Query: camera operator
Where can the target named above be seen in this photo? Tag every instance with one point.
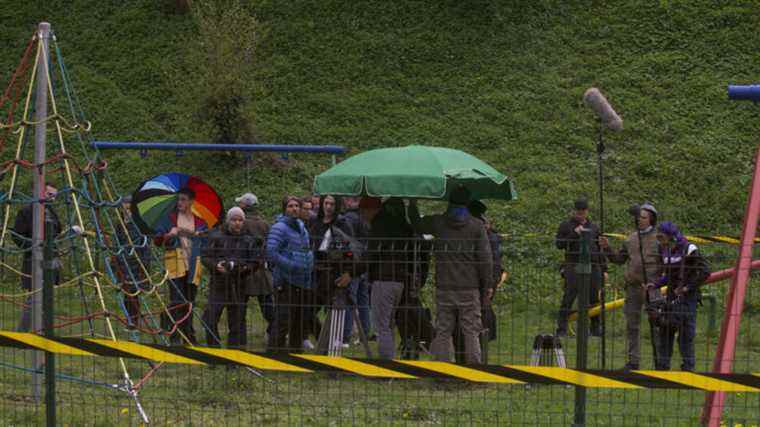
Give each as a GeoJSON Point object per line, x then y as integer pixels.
{"type": "Point", "coordinates": [463, 264]}
{"type": "Point", "coordinates": [230, 258]}
{"type": "Point", "coordinates": [289, 254]}
{"type": "Point", "coordinates": [684, 271]}
{"type": "Point", "coordinates": [568, 238]}
{"type": "Point", "coordinates": [641, 253]}
{"type": "Point", "coordinates": [327, 257]}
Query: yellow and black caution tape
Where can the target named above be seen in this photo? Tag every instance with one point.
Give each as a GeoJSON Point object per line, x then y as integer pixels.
{"type": "Point", "coordinates": [390, 369]}
{"type": "Point", "coordinates": [694, 239]}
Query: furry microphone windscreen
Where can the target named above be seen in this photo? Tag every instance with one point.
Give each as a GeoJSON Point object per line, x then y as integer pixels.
{"type": "Point", "coordinates": [594, 99]}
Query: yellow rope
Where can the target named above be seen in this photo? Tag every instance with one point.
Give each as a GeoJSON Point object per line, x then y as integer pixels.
{"type": "Point", "coordinates": [19, 144]}
{"type": "Point", "coordinates": [78, 211]}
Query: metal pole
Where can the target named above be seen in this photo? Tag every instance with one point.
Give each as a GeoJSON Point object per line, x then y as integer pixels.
{"type": "Point", "coordinates": [583, 277]}
{"type": "Point", "coordinates": [602, 295]}
{"type": "Point", "coordinates": [38, 206]}
{"type": "Point", "coordinates": [48, 312]}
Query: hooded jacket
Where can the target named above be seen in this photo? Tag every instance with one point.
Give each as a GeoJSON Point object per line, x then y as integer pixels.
{"type": "Point", "coordinates": [289, 254]}
{"type": "Point", "coordinates": [463, 259]}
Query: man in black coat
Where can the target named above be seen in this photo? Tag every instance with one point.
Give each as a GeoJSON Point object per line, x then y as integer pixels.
{"type": "Point", "coordinates": [22, 236]}
{"type": "Point", "coordinates": [569, 239]}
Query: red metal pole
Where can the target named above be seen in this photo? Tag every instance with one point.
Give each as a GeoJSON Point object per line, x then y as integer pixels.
{"type": "Point", "coordinates": [713, 409]}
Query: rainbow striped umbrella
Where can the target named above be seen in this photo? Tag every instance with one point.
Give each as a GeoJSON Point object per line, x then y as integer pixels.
{"type": "Point", "coordinates": [155, 198]}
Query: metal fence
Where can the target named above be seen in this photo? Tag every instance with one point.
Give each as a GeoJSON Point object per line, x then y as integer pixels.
{"type": "Point", "coordinates": [93, 390]}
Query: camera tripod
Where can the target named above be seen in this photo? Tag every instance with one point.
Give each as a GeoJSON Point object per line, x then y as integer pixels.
{"type": "Point", "coordinates": [330, 340]}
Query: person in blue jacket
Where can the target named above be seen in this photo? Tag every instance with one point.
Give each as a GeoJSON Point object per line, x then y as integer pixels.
{"type": "Point", "coordinates": [289, 253]}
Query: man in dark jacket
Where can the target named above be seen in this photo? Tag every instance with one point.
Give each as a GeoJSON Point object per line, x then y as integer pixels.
{"type": "Point", "coordinates": [463, 270]}
{"type": "Point", "coordinates": [641, 252]}
{"type": "Point", "coordinates": [23, 238]}
{"type": "Point", "coordinates": [229, 257]}
{"type": "Point", "coordinates": [258, 284]}
{"type": "Point", "coordinates": [569, 239]}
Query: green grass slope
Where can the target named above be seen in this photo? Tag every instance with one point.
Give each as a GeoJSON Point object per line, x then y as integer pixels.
{"type": "Point", "coordinates": [502, 80]}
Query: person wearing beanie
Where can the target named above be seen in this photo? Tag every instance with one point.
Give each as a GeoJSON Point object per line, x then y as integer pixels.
{"type": "Point", "coordinates": [641, 253]}
{"type": "Point", "coordinates": [289, 255]}
{"type": "Point", "coordinates": [230, 258]}
{"type": "Point", "coordinates": [568, 239]}
{"type": "Point", "coordinates": [464, 271]}
{"type": "Point", "coordinates": [684, 271]}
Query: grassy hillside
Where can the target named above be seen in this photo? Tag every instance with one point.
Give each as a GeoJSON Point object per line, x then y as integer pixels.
{"type": "Point", "coordinates": [502, 80]}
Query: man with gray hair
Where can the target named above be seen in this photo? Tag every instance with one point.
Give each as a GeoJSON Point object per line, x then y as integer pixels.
{"type": "Point", "coordinates": [641, 253]}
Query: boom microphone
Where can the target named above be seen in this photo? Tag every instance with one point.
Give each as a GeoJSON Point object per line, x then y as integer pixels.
{"type": "Point", "coordinates": [594, 99]}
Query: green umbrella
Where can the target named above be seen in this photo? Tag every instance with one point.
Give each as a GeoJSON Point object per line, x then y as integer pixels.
{"type": "Point", "coordinates": [415, 172]}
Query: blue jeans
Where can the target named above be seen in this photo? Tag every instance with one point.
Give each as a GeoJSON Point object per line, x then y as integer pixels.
{"type": "Point", "coordinates": [687, 330]}
{"type": "Point", "coordinates": [359, 291]}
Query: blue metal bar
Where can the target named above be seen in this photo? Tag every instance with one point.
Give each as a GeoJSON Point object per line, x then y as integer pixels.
{"type": "Point", "coordinates": [173, 146]}
{"type": "Point", "coordinates": [744, 93]}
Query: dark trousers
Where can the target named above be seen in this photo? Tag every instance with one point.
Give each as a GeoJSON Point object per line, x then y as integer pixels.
{"type": "Point", "coordinates": [266, 305]}
{"type": "Point", "coordinates": [686, 328]}
{"type": "Point", "coordinates": [231, 296]}
{"type": "Point", "coordinates": [571, 292]}
{"type": "Point", "coordinates": [290, 317]}
{"type": "Point", "coordinates": [131, 304]}
{"type": "Point", "coordinates": [181, 301]}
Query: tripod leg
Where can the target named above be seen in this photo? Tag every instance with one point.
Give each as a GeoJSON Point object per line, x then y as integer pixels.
{"type": "Point", "coordinates": [654, 335]}
{"type": "Point", "coordinates": [323, 345]}
{"type": "Point", "coordinates": [336, 342]}
{"type": "Point", "coordinates": [362, 333]}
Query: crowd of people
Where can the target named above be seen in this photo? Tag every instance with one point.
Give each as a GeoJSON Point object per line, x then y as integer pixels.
{"type": "Point", "coordinates": [375, 255]}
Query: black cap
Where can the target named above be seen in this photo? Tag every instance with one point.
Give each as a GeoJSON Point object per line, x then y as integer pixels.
{"type": "Point", "coordinates": [460, 196]}
{"type": "Point", "coordinates": [581, 204]}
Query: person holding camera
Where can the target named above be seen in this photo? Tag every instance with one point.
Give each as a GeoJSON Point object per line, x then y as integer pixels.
{"type": "Point", "coordinates": [231, 259]}
{"type": "Point", "coordinates": [684, 271]}
{"type": "Point", "coordinates": [568, 238]}
{"type": "Point", "coordinates": [641, 253]}
{"type": "Point", "coordinates": [288, 252]}
{"type": "Point", "coordinates": [324, 231]}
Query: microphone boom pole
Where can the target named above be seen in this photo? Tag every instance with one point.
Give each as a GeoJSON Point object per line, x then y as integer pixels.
{"type": "Point", "coordinates": [607, 117]}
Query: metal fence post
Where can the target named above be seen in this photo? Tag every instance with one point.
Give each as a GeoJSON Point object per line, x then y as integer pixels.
{"type": "Point", "coordinates": [48, 311]}
{"type": "Point", "coordinates": [583, 282]}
